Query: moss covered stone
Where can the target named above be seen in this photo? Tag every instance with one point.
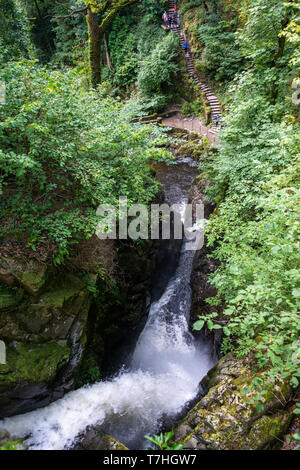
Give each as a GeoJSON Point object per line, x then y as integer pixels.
{"type": "Point", "coordinates": [224, 419]}
{"type": "Point", "coordinates": [44, 328]}
{"type": "Point", "coordinates": [9, 297]}
{"type": "Point", "coordinates": [30, 275]}
{"type": "Point", "coordinates": [33, 363]}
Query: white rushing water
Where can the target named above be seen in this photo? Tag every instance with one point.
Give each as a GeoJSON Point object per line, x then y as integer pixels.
{"type": "Point", "coordinates": [167, 366]}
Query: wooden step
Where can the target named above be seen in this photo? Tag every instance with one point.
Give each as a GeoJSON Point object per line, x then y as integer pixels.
{"type": "Point", "coordinates": [211, 98]}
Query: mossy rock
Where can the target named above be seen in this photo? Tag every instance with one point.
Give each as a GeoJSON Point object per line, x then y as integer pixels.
{"type": "Point", "coordinates": [32, 364]}
{"type": "Point", "coordinates": [227, 419]}
{"type": "Point", "coordinates": [30, 275]}
{"type": "Point", "coordinates": [45, 336]}
{"type": "Point", "coordinates": [50, 315]}
{"type": "Point", "coordinates": [9, 297]}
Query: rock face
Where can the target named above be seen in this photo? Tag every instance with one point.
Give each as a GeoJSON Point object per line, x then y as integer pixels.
{"type": "Point", "coordinates": [42, 322]}
{"type": "Point", "coordinates": [223, 420]}
{"type": "Point", "coordinates": [93, 439]}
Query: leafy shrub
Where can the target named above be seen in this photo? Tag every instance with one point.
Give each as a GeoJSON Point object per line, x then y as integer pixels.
{"type": "Point", "coordinates": [164, 441]}
{"type": "Point", "coordinates": [255, 231]}
{"type": "Point", "coordinates": [13, 445]}
{"type": "Point", "coordinates": [158, 71]}
{"type": "Point", "coordinates": [133, 35]}
{"type": "Point", "coordinates": [63, 152]}
{"type": "Point", "coordinates": [14, 36]}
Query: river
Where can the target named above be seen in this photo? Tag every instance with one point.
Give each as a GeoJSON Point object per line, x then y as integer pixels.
{"type": "Point", "coordinates": [164, 373]}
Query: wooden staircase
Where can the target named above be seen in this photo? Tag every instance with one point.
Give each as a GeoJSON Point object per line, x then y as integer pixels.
{"type": "Point", "coordinates": [213, 101]}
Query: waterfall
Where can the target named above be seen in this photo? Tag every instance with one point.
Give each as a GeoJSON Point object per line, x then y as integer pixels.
{"type": "Point", "coordinates": [165, 371]}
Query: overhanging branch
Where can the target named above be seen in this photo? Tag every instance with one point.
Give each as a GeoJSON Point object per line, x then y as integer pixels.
{"type": "Point", "coordinates": [73, 12]}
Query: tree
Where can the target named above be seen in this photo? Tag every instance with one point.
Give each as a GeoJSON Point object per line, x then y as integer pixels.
{"type": "Point", "coordinates": [99, 14]}
{"type": "Point", "coordinates": [14, 38]}
{"type": "Point", "coordinates": [105, 10]}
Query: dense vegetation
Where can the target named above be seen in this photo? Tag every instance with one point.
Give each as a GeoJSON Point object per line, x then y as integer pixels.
{"type": "Point", "coordinates": [64, 151]}
{"type": "Point", "coordinates": [255, 182]}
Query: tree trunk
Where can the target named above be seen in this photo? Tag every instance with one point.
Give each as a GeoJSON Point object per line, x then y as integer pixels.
{"type": "Point", "coordinates": [95, 38]}
{"type": "Point", "coordinates": [108, 61]}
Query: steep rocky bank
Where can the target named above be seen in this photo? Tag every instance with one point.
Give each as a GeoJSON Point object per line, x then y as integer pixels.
{"type": "Point", "coordinates": [57, 332]}
{"type": "Point", "coordinates": [42, 322]}
{"type": "Point", "coordinates": [225, 420]}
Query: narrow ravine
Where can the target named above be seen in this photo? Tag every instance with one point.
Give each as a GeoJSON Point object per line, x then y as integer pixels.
{"type": "Point", "coordinates": [166, 368]}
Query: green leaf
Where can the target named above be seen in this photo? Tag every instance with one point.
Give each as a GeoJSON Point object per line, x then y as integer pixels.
{"type": "Point", "coordinates": [198, 325]}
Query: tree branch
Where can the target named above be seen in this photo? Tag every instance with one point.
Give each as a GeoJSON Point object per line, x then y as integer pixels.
{"type": "Point", "coordinates": [73, 12]}
{"type": "Point", "coordinates": [110, 16]}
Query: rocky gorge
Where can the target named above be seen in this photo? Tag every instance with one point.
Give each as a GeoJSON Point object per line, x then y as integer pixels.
{"type": "Point", "coordinates": [54, 333]}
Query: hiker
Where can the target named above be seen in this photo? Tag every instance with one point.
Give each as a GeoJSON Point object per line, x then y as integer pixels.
{"type": "Point", "coordinates": [217, 120]}
{"type": "Point", "coordinates": [185, 45]}
{"type": "Point", "coordinates": [187, 56]}
{"type": "Point", "coordinates": [170, 21]}
{"type": "Point", "coordinates": [175, 18]}
{"type": "Point", "coordinates": [165, 17]}
{"type": "Point", "coordinates": [178, 19]}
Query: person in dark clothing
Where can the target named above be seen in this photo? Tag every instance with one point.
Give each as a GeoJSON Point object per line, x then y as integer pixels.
{"type": "Point", "coordinates": [170, 20]}
{"type": "Point", "coordinates": [217, 120]}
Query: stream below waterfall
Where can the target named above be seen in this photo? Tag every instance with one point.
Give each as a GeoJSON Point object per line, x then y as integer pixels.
{"type": "Point", "coordinates": [166, 368]}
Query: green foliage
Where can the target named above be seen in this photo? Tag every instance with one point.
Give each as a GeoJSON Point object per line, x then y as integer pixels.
{"type": "Point", "coordinates": [70, 34]}
{"type": "Point", "coordinates": [297, 409]}
{"type": "Point", "coordinates": [143, 55]}
{"type": "Point", "coordinates": [164, 441]}
{"type": "Point", "coordinates": [13, 445]}
{"type": "Point", "coordinates": [89, 371]}
{"type": "Point", "coordinates": [190, 5]}
{"type": "Point", "coordinates": [222, 56]}
{"type": "Point", "coordinates": [158, 72]}
{"type": "Point", "coordinates": [296, 435]}
{"type": "Point", "coordinates": [260, 34]}
{"type": "Point", "coordinates": [41, 26]}
{"type": "Point", "coordinates": [292, 31]}
{"type": "Point", "coordinates": [14, 36]}
{"type": "Point", "coordinates": [195, 107]}
{"type": "Point", "coordinates": [63, 152]}
{"type": "Point", "coordinates": [255, 181]}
